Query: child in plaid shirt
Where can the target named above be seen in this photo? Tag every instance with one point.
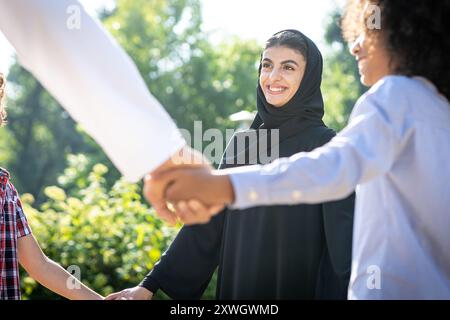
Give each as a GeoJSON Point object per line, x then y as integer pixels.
{"type": "Point", "coordinates": [18, 245]}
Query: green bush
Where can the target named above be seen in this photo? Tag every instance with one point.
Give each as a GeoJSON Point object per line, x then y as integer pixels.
{"type": "Point", "coordinates": [111, 235]}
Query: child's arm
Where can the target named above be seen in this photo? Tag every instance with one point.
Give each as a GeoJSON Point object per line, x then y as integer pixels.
{"type": "Point", "coordinates": [49, 273]}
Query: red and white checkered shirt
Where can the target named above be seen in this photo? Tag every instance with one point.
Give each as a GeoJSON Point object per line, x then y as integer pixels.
{"type": "Point", "coordinates": [13, 225]}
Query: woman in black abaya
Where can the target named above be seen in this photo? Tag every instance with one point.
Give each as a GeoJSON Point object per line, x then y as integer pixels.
{"type": "Point", "coordinates": [272, 252]}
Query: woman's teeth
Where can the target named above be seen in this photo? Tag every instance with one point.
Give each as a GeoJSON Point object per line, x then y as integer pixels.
{"type": "Point", "coordinates": [276, 89]}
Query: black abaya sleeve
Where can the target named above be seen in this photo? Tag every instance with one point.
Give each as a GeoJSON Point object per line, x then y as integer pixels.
{"type": "Point", "coordinates": [187, 266]}
{"type": "Point", "coordinates": [335, 265]}
{"type": "Point", "coordinates": [338, 225]}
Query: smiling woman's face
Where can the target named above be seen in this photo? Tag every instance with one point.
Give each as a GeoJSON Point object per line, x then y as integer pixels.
{"type": "Point", "coordinates": [282, 71]}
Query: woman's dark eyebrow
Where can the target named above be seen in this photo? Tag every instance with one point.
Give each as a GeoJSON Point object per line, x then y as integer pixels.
{"type": "Point", "coordinates": [290, 61]}
{"type": "Point", "coordinates": [284, 62]}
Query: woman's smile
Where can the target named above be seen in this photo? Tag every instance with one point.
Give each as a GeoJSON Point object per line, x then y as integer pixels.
{"type": "Point", "coordinates": [276, 90]}
{"type": "Point", "coordinates": [282, 71]}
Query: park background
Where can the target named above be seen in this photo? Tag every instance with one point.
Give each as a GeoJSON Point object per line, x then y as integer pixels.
{"type": "Point", "coordinates": [199, 58]}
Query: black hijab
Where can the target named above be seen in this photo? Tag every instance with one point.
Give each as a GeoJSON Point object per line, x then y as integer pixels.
{"type": "Point", "coordinates": [305, 109]}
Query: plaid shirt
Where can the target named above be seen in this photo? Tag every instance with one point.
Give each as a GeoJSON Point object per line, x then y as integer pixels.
{"type": "Point", "coordinates": [13, 225]}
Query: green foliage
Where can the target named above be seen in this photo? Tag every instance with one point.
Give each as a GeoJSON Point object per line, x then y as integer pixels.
{"type": "Point", "coordinates": [111, 235]}
{"type": "Point", "coordinates": [193, 79]}
{"type": "Point", "coordinates": [89, 217]}
{"type": "Point", "coordinates": [6, 142]}
{"type": "Point", "coordinates": [340, 93]}
{"type": "Point", "coordinates": [39, 135]}
{"type": "Point", "coordinates": [341, 86]}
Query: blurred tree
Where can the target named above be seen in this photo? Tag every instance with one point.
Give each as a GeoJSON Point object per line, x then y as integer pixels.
{"type": "Point", "coordinates": [341, 86]}
{"type": "Point", "coordinates": [109, 235]}
{"type": "Point", "coordinates": [101, 225]}
{"type": "Point", "coordinates": [192, 79]}
{"type": "Point", "coordinates": [39, 135]}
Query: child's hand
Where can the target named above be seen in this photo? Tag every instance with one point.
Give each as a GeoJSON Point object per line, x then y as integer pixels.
{"type": "Point", "coordinates": [135, 293]}
{"type": "Point", "coordinates": [194, 211]}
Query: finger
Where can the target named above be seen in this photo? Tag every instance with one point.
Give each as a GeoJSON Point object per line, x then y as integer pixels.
{"type": "Point", "coordinates": [182, 189]}
{"type": "Point", "coordinates": [202, 213]}
{"type": "Point", "coordinates": [172, 193]}
{"type": "Point", "coordinates": [166, 215]}
{"type": "Point", "coordinates": [183, 212]}
{"type": "Point", "coordinates": [154, 193]}
{"type": "Point", "coordinates": [113, 296]}
{"type": "Point", "coordinates": [215, 209]}
{"type": "Point", "coordinates": [182, 208]}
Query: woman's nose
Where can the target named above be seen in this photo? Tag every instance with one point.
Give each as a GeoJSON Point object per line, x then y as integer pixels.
{"type": "Point", "coordinates": [275, 74]}
{"type": "Point", "coordinates": [355, 48]}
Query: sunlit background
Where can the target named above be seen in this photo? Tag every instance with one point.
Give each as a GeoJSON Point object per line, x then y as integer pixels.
{"type": "Point", "coordinates": [199, 58]}
{"type": "Point", "coordinates": [251, 19]}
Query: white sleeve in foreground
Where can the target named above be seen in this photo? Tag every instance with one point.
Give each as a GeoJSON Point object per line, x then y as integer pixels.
{"type": "Point", "coordinates": [93, 79]}
{"type": "Point", "coordinates": [366, 148]}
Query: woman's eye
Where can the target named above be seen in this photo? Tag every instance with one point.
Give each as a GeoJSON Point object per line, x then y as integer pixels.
{"type": "Point", "coordinates": [266, 65]}
{"type": "Point", "coordinates": [289, 68]}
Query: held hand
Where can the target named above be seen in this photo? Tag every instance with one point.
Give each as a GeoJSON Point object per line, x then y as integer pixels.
{"type": "Point", "coordinates": [211, 188]}
{"type": "Point", "coordinates": [154, 189]}
{"type": "Point", "coordinates": [135, 293]}
{"type": "Point", "coordinates": [193, 211]}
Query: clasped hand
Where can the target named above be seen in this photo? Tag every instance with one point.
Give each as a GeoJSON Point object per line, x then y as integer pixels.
{"type": "Point", "coordinates": [187, 188]}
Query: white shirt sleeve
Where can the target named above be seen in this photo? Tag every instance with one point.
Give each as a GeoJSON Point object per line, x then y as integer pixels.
{"type": "Point", "coordinates": [365, 149]}
{"type": "Point", "coordinates": [92, 77]}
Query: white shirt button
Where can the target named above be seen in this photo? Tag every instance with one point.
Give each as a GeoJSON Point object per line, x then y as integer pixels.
{"type": "Point", "coordinates": [253, 196]}
{"type": "Point", "coordinates": [296, 195]}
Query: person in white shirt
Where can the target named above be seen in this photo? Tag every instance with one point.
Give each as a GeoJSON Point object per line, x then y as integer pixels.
{"type": "Point", "coordinates": [93, 78]}
{"type": "Point", "coordinates": [394, 151]}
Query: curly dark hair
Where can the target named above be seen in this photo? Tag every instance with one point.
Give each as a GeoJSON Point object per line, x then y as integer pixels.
{"type": "Point", "coordinates": [415, 33]}
{"type": "Point", "coordinates": [2, 93]}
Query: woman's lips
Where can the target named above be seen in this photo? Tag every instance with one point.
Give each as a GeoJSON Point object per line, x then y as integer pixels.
{"type": "Point", "coordinates": [276, 90]}
{"type": "Point", "coordinates": [361, 59]}
{"type": "Point", "coordinates": [361, 63]}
